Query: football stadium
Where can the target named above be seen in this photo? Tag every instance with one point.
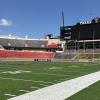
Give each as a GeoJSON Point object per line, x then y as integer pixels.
{"type": "Point", "coordinates": [66, 67]}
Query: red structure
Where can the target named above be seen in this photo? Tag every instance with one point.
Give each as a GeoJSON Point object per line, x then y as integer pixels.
{"type": "Point", "coordinates": [53, 45]}
{"type": "Point", "coordinates": [26, 54]}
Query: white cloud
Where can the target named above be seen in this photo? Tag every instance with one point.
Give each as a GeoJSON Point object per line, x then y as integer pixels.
{"type": "Point", "coordinates": [5, 22]}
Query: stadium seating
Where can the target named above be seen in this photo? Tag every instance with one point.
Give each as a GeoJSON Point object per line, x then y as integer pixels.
{"type": "Point", "coordinates": [36, 43]}
{"type": "Point", "coordinates": [3, 42]}
{"type": "Point", "coordinates": [83, 51]}
{"type": "Point", "coordinates": [16, 42]}
{"type": "Point", "coordinates": [25, 54]}
{"type": "Point", "coordinates": [64, 56]}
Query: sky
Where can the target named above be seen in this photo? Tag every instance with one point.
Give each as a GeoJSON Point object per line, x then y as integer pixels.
{"type": "Point", "coordinates": [36, 18]}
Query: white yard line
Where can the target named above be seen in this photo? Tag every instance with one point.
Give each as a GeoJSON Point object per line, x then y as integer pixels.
{"type": "Point", "coordinates": [4, 78]}
{"type": "Point", "coordinates": [42, 73]}
{"type": "Point", "coordinates": [10, 95]}
{"type": "Point", "coordinates": [34, 87]}
{"type": "Point", "coordinates": [22, 71]}
{"type": "Point", "coordinates": [60, 75]}
{"type": "Point", "coordinates": [61, 90]}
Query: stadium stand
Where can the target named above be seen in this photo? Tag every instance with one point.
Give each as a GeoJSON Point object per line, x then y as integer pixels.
{"type": "Point", "coordinates": [26, 54]}
{"type": "Point", "coordinates": [37, 43]}
{"type": "Point", "coordinates": [4, 41]}
{"type": "Point", "coordinates": [64, 56]}
{"type": "Point", "coordinates": [18, 42]}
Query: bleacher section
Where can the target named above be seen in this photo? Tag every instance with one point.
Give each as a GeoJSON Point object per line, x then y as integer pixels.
{"type": "Point", "coordinates": [14, 54]}
{"type": "Point", "coordinates": [83, 51]}
{"type": "Point", "coordinates": [4, 42]}
{"type": "Point", "coordinates": [26, 54]}
{"type": "Point", "coordinates": [17, 42]}
{"type": "Point", "coordinates": [36, 43]}
{"type": "Point", "coordinates": [79, 54]}
{"type": "Point", "coordinates": [64, 56]}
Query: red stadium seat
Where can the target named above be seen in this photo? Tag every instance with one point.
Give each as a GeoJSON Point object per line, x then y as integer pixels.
{"type": "Point", "coordinates": [26, 54]}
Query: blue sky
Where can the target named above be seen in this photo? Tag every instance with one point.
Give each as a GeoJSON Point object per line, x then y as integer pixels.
{"type": "Point", "coordinates": [36, 18]}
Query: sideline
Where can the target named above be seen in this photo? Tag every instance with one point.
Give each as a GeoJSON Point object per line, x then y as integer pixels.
{"type": "Point", "coordinates": [61, 90]}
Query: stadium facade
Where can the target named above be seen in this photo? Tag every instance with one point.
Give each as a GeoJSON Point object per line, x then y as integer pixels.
{"type": "Point", "coordinates": [14, 47]}
{"type": "Point", "coordinates": [83, 38]}
{"type": "Point", "coordinates": [83, 35]}
{"type": "Point", "coordinates": [79, 41]}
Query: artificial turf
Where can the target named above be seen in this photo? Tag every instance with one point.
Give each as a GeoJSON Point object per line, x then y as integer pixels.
{"type": "Point", "coordinates": [90, 93]}
{"type": "Point", "coordinates": [30, 76]}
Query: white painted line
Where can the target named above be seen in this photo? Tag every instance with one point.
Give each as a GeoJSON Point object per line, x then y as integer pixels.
{"type": "Point", "coordinates": [34, 87]}
{"type": "Point", "coordinates": [74, 66]}
{"type": "Point", "coordinates": [6, 78]}
{"type": "Point", "coordinates": [16, 72]}
{"type": "Point", "coordinates": [55, 68]}
{"type": "Point", "coordinates": [23, 71]}
{"type": "Point", "coordinates": [10, 95]}
{"type": "Point", "coordinates": [61, 75]}
{"type": "Point", "coordinates": [61, 90]}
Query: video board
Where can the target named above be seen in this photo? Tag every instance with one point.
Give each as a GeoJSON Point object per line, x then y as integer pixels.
{"type": "Point", "coordinates": [80, 32]}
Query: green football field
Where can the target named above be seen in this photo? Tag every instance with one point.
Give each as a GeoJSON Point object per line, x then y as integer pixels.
{"type": "Point", "coordinates": [18, 78]}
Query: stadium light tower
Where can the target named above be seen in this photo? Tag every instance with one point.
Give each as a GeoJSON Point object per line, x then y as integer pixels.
{"type": "Point", "coordinates": [63, 22]}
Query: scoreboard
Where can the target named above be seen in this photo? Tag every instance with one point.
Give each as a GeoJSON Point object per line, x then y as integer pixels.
{"type": "Point", "coordinates": [80, 32]}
